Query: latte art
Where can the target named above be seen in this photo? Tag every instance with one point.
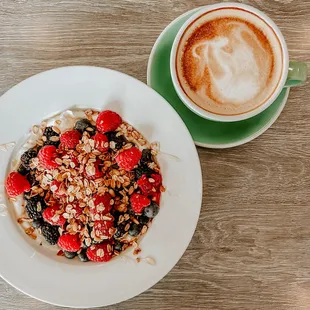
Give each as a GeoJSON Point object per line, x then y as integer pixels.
{"type": "Point", "coordinates": [227, 65]}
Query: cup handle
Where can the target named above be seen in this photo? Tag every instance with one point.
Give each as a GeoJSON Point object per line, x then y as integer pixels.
{"type": "Point", "coordinates": [297, 73]}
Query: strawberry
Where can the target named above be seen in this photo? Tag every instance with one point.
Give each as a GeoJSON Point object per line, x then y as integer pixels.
{"type": "Point", "coordinates": [16, 184]}
{"type": "Point", "coordinates": [103, 229]}
{"type": "Point", "coordinates": [50, 215]}
{"type": "Point", "coordinates": [139, 202]}
{"type": "Point", "coordinates": [69, 242]}
{"type": "Point", "coordinates": [47, 156]}
{"type": "Point", "coordinates": [101, 142]}
{"type": "Point", "coordinates": [128, 159]}
{"type": "Point", "coordinates": [70, 138]}
{"type": "Point", "coordinates": [108, 121]}
{"type": "Point", "coordinates": [101, 252]}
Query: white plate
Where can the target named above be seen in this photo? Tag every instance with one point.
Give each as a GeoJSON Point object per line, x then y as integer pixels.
{"type": "Point", "coordinates": [31, 268]}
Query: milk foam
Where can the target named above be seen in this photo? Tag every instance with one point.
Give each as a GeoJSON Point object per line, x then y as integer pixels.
{"type": "Point", "coordinates": [229, 65]}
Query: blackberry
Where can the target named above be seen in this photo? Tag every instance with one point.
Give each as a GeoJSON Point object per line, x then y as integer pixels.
{"type": "Point", "coordinates": [152, 210]}
{"type": "Point", "coordinates": [50, 233]}
{"type": "Point", "coordinates": [34, 207]}
{"type": "Point", "coordinates": [70, 255]}
{"type": "Point", "coordinates": [119, 141]}
{"type": "Point", "coordinates": [49, 142]}
{"type": "Point", "coordinates": [134, 229]}
{"type": "Point", "coordinates": [146, 156]}
{"type": "Point", "coordinates": [120, 230]}
{"type": "Point", "coordinates": [143, 220]}
{"type": "Point", "coordinates": [37, 223]}
{"type": "Point", "coordinates": [49, 133]}
{"type": "Point", "coordinates": [82, 125]}
{"type": "Point", "coordinates": [27, 156]}
{"type": "Point", "coordinates": [130, 211]}
{"type": "Point", "coordinates": [82, 256]}
{"type": "Point", "coordinates": [143, 169]}
{"type": "Point", "coordinates": [118, 246]}
{"type": "Point", "coordinates": [31, 177]}
{"type": "Point", "coordinates": [22, 170]}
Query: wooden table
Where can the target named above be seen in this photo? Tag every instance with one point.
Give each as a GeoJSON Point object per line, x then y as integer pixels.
{"type": "Point", "coordinates": [251, 249]}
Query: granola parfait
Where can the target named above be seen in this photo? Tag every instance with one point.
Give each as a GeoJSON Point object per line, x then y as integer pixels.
{"type": "Point", "coordinates": [88, 183]}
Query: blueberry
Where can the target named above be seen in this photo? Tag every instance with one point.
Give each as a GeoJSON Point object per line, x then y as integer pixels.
{"type": "Point", "coordinates": [143, 219]}
{"type": "Point", "coordinates": [134, 229]}
{"type": "Point", "coordinates": [85, 125]}
{"type": "Point", "coordinates": [152, 210]}
{"type": "Point", "coordinates": [69, 255]}
{"type": "Point", "coordinates": [118, 246]}
{"type": "Point", "coordinates": [83, 257]}
{"type": "Point", "coordinates": [120, 231]}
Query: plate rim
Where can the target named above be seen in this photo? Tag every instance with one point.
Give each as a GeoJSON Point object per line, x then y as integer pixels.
{"type": "Point", "coordinates": [208, 145]}
{"type": "Point", "coordinates": [198, 175]}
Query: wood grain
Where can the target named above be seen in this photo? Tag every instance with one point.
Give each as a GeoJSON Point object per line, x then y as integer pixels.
{"type": "Point", "coordinates": [251, 249]}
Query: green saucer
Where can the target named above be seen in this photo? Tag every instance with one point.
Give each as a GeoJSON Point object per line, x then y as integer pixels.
{"type": "Point", "coordinates": [205, 133]}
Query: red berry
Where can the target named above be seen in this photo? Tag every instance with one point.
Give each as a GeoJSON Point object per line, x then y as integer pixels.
{"type": "Point", "coordinates": [128, 159]}
{"type": "Point", "coordinates": [157, 178]}
{"type": "Point", "coordinates": [150, 185]}
{"type": "Point", "coordinates": [58, 188]}
{"type": "Point", "coordinates": [156, 197]}
{"type": "Point", "coordinates": [102, 205]}
{"type": "Point", "coordinates": [108, 121]}
{"type": "Point", "coordinates": [93, 171]}
{"type": "Point", "coordinates": [139, 202]}
{"type": "Point", "coordinates": [145, 185]}
{"type": "Point", "coordinates": [101, 252]}
{"type": "Point", "coordinates": [101, 142]}
{"type": "Point", "coordinates": [16, 184]}
{"type": "Point", "coordinates": [70, 138]}
{"type": "Point", "coordinates": [50, 215]}
{"type": "Point", "coordinates": [103, 229]}
{"type": "Point", "coordinates": [47, 156]}
{"type": "Point", "coordinates": [77, 210]}
{"type": "Point", "coordinates": [69, 242]}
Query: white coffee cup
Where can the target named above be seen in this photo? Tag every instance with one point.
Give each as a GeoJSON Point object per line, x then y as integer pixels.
{"type": "Point", "coordinates": [298, 71]}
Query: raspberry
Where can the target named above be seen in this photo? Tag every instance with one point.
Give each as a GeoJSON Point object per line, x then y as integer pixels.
{"type": "Point", "coordinates": [101, 252]}
{"type": "Point", "coordinates": [101, 142]}
{"type": "Point", "coordinates": [92, 174]}
{"type": "Point", "coordinates": [108, 121]}
{"type": "Point", "coordinates": [58, 189]}
{"type": "Point", "coordinates": [145, 185]}
{"type": "Point", "coordinates": [128, 159]}
{"type": "Point", "coordinates": [103, 229]}
{"type": "Point", "coordinates": [77, 210]}
{"type": "Point", "coordinates": [69, 242]}
{"type": "Point", "coordinates": [16, 184]}
{"type": "Point", "coordinates": [156, 197]}
{"type": "Point", "coordinates": [70, 138]}
{"type": "Point", "coordinates": [139, 202]}
{"type": "Point", "coordinates": [157, 178]}
{"type": "Point", "coordinates": [102, 205]}
{"type": "Point", "coordinates": [50, 215]}
{"type": "Point", "coordinates": [47, 156]}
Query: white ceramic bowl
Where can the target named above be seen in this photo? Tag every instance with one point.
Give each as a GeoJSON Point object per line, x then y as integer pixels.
{"type": "Point", "coordinates": [36, 270]}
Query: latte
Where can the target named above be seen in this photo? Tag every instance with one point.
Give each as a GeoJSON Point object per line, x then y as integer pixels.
{"type": "Point", "coordinates": [229, 61]}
